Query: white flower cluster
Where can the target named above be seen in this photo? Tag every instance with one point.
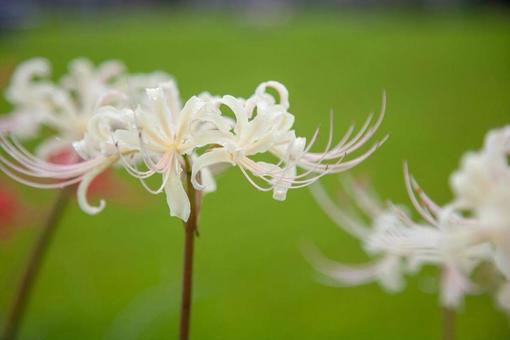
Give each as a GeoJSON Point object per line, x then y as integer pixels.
{"type": "Point", "coordinates": [138, 121]}
{"type": "Point", "coordinates": [472, 230]}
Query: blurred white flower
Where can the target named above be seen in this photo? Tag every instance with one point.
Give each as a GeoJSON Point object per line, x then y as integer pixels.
{"type": "Point", "coordinates": [457, 237]}
{"type": "Point", "coordinates": [263, 125]}
{"type": "Point", "coordinates": [401, 246]}
{"type": "Point", "coordinates": [482, 187]}
{"type": "Point", "coordinates": [66, 106]}
{"type": "Point", "coordinates": [29, 101]}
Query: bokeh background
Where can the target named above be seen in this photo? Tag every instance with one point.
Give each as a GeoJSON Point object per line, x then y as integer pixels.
{"type": "Point", "coordinates": [445, 66]}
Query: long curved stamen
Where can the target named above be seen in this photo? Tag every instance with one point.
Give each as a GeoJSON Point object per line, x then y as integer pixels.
{"type": "Point", "coordinates": [365, 201]}
{"type": "Point", "coordinates": [43, 169]}
{"type": "Point", "coordinates": [252, 182]}
{"type": "Point", "coordinates": [131, 168]}
{"type": "Point", "coordinates": [348, 222]}
{"type": "Point", "coordinates": [340, 167]}
{"type": "Point", "coordinates": [313, 140]}
{"type": "Point", "coordinates": [22, 156]}
{"type": "Point", "coordinates": [335, 151]}
{"type": "Point", "coordinates": [143, 151]}
{"type": "Point", "coordinates": [50, 170]}
{"type": "Point", "coordinates": [291, 181]}
{"type": "Point", "coordinates": [39, 185]}
{"type": "Point", "coordinates": [258, 171]}
{"type": "Point", "coordinates": [361, 137]}
{"type": "Point", "coordinates": [342, 275]}
{"type": "Point", "coordinates": [309, 181]}
{"type": "Point", "coordinates": [159, 190]}
{"type": "Point", "coordinates": [162, 164]}
{"type": "Point", "coordinates": [32, 172]}
{"type": "Point", "coordinates": [373, 129]}
{"type": "Point", "coordinates": [401, 214]}
{"type": "Point", "coordinates": [409, 187]}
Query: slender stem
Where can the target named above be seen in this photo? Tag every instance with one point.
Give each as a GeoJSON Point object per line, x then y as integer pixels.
{"type": "Point", "coordinates": [22, 297]}
{"type": "Point", "coordinates": [448, 323]}
{"type": "Point", "coordinates": [190, 231]}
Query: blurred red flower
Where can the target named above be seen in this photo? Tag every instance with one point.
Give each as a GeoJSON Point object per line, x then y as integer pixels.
{"type": "Point", "coordinates": [10, 209]}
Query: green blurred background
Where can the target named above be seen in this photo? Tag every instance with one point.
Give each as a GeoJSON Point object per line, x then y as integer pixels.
{"type": "Point", "coordinates": [117, 275]}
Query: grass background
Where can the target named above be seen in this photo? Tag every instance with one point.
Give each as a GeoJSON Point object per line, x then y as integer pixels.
{"type": "Point", "coordinates": [117, 275]}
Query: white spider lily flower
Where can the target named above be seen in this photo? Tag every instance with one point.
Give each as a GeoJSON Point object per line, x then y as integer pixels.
{"type": "Point", "coordinates": [253, 133]}
{"type": "Point", "coordinates": [402, 246]}
{"type": "Point", "coordinates": [168, 135]}
{"type": "Point", "coordinates": [263, 125]}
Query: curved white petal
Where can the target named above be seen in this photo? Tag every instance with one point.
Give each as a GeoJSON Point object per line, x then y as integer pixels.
{"type": "Point", "coordinates": [84, 186]}
{"type": "Point", "coordinates": [279, 87]}
{"type": "Point", "coordinates": [215, 156]}
{"type": "Point", "coordinates": [176, 197]}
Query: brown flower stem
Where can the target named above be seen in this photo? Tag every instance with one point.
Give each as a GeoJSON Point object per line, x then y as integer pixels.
{"type": "Point", "coordinates": [448, 323]}
{"type": "Point", "coordinates": [190, 232]}
{"type": "Point", "coordinates": [35, 260]}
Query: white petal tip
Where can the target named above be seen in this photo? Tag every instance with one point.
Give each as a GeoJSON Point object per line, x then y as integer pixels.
{"type": "Point", "coordinates": [279, 194]}
{"type": "Point", "coordinates": [91, 210]}
{"type": "Point", "coordinates": [182, 216]}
